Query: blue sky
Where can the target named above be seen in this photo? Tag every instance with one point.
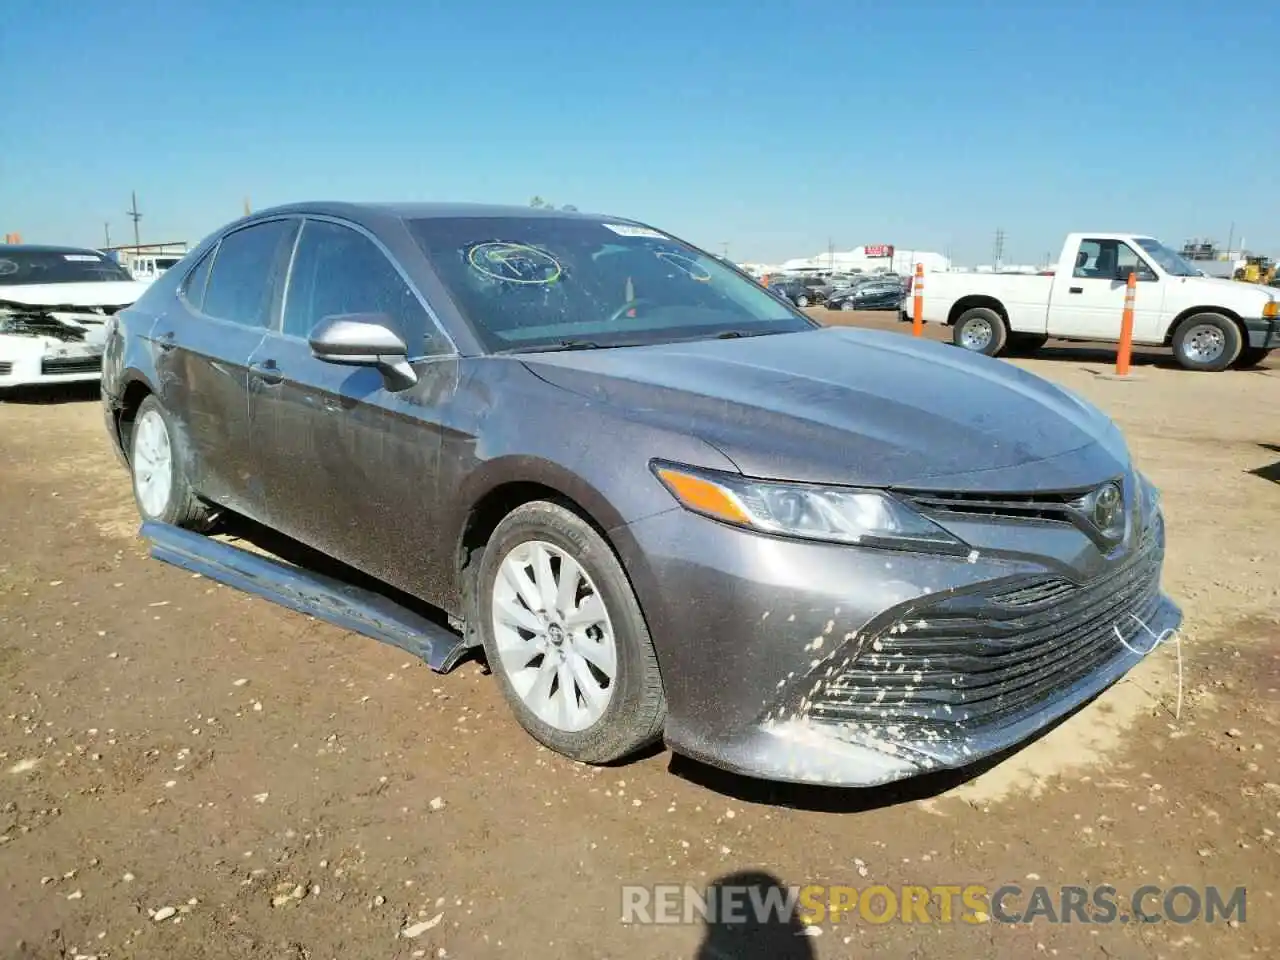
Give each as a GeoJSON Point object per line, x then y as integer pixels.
{"type": "Point", "coordinates": [772, 128]}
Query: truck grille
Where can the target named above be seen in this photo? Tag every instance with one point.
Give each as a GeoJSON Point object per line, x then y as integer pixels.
{"type": "Point", "coordinates": [943, 669]}
{"type": "Point", "coordinates": [54, 365]}
{"type": "Point", "coordinates": [6, 368]}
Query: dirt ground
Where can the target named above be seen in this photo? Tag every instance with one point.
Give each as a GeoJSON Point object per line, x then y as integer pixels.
{"type": "Point", "coordinates": [186, 771]}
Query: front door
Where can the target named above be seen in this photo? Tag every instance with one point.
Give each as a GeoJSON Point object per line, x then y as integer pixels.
{"type": "Point", "coordinates": [1089, 305]}
{"type": "Point", "coordinates": [350, 467]}
{"type": "Point", "coordinates": [203, 349]}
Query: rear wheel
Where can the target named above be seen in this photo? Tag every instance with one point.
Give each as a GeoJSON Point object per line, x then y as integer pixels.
{"type": "Point", "coordinates": [157, 460]}
{"type": "Point", "coordinates": [1207, 341]}
{"type": "Point", "coordinates": [802, 301]}
{"type": "Point", "coordinates": [564, 634]}
{"type": "Point", "coordinates": [847, 305]}
{"type": "Point", "coordinates": [981, 330]}
{"type": "Point", "coordinates": [1252, 356]}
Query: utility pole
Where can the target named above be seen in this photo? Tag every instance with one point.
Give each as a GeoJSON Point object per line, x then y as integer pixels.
{"type": "Point", "coordinates": [999, 248]}
{"type": "Point", "coordinates": [106, 229]}
{"type": "Point", "coordinates": [725, 245]}
{"type": "Point", "coordinates": [246, 206]}
{"type": "Point", "coordinates": [1231, 235]}
{"type": "Point", "coordinates": [135, 216]}
{"type": "Point", "coordinates": [831, 255]}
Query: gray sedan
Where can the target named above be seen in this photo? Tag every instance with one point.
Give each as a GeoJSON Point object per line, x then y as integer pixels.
{"type": "Point", "coordinates": [665, 503]}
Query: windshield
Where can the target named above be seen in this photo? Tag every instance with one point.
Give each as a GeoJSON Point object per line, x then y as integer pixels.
{"type": "Point", "coordinates": [1170, 262]}
{"type": "Point", "coordinates": [526, 283]}
{"type": "Point", "coordinates": [57, 266]}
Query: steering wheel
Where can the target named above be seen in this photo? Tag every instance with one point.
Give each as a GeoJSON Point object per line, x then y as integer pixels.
{"type": "Point", "coordinates": [629, 305]}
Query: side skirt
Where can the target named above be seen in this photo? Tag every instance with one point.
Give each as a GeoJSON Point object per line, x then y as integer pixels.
{"type": "Point", "coordinates": [342, 604]}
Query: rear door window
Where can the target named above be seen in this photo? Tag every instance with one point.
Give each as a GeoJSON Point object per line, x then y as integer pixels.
{"type": "Point", "coordinates": [246, 274]}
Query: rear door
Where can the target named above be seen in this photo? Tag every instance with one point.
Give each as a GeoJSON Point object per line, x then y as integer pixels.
{"type": "Point", "coordinates": [1089, 304]}
{"type": "Point", "coordinates": [350, 467]}
{"type": "Point", "coordinates": [226, 304]}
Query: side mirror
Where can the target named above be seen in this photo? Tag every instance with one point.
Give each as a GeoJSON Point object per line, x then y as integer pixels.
{"type": "Point", "coordinates": [364, 340]}
{"type": "Point", "coordinates": [1144, 273]}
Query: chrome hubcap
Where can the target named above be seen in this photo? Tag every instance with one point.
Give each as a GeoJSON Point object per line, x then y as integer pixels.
{"type": "Point", "coordinates": [1204, 343]}
{"type": "Point", "coordinates": [555, 640]}
{"type": "Point", "coordinates": [976, 335]}
{"type": "Point", "coordinates": [152, 463]}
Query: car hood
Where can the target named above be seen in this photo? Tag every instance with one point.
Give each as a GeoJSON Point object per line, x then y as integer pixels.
{"type": "Point", "coordinates": [850, 406]}
{"type": "Point", "coordinates": [1236, 288]}
{"type": "Point", "coordinates": [105, 293]}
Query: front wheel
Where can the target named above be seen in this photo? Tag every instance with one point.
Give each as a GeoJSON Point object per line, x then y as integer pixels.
{"type": "Point", "coordinates": [564, 634]}
{"type": "Point", "coordinates": [158, 464]}
{"type": "Point", "coordinates": [981, 330]}
{"type": "Point", "coordinates": [802, 301]}
{"type": "Point", "coordinates": [847, 305]}
{"type": "Point", "coordinates": [1208, 342]}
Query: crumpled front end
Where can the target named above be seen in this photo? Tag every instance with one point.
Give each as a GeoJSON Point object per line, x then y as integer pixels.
{"type": "Point", "coordinates": [821, 664]}
{"type": "Point", "coordinates": [40, 347]}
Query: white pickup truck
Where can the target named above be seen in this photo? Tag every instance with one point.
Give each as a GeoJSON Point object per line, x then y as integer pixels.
{"type": "Point", "coordinates": [1209, 323]}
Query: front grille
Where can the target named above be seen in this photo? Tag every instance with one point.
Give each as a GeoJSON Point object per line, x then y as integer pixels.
{"type": "Point", "coordinates": [943, 669]}
{"type": "Point", "coordinates": [6, 368]}
{"type": "Point", "coordinates": [1037, 506]}
{"type": "Point", "coordinates": [52, 365]}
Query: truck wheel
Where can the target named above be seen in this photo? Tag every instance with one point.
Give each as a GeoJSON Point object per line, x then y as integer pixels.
{"type": "Point", "coordinates": [1252, 357]}
{"type": "Point", "coordinates": [1207, 341]}
{"type": "Point", "coordinates": [981, 330]}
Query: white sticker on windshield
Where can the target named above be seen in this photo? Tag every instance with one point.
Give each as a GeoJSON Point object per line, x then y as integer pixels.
{"type": "Point", "coordinates": [81, 257]}
{"type": "Point", "coordinates": [630, 230]}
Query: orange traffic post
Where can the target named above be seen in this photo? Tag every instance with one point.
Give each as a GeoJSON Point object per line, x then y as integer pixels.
{"type": "Point", "coordinates": [1124, 353]}
{"type": "Point", "coordinates": [917, 306]}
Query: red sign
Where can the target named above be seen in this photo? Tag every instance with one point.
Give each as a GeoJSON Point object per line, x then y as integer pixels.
{"type": "Point", "coordinates": [878, 250]}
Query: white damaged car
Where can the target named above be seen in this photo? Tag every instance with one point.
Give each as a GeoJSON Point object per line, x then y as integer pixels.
{"type": "Point", "coordinates": [54, 304]}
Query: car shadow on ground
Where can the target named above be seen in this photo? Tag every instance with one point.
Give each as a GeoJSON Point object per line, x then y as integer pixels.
{"type": "Point", "coordinates": [1272, 470]}
{"type": "Point", "coordinates": [52, 393]}
{"type": "Point", "coordinates": [735, 931]}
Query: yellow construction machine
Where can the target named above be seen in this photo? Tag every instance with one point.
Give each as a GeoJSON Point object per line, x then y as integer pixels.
{"type": "Point", "coordinates": [1257, 270]}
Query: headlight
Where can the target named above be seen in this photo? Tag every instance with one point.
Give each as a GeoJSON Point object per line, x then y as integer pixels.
{"type": "Point", "coordinates": [832, 514]}
{"type": "Point", "coordinates": [1271, 310]}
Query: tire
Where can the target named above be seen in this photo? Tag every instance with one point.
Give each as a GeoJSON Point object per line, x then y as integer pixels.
{"type": "Point", "coordinates": [156, 452]}
{"type": "Point", "coordinates": [802, 301]}
{"type": "Point", "coordinates": [980, 330]}
{"type": "Point", "coordinates": [1252, 357]}
{"type": "Point", "coordinates": [847, 305]}
{"type": "Point", "coordinates": [1207, 342]}
{"type": "Point", "coordinates": [636, 706]}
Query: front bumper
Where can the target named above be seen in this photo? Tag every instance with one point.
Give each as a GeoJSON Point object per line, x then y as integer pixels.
{"type": "Point", "coordinates": [33, 366]}
{"type": "Point", "coordinates": [1263, 334]}
{"type": "Point", "coordinates": [822, 664]}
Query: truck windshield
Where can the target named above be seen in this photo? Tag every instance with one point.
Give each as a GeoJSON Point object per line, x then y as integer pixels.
{"type": "Point", "coordinates": [528, 283]}
{"type": "Point", "coordinates": [1170, 262]}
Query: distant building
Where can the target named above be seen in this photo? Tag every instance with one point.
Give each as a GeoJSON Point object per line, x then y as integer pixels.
{"type": "Point", "coordinates": [871, 258]}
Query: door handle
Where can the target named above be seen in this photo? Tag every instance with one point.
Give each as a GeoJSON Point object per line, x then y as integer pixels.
{"type": "Point", "coordinates": [1075, 290]}
{"type": "Point", "coordinates": [267, 371]}
{"type": "Point", "coordinates": [165, 341]}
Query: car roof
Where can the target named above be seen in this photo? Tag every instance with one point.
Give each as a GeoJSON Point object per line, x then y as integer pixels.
{"type": "Point", "coordinates": [419, 211]}
{"type": "Point", "coordinates": [42, 248]}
